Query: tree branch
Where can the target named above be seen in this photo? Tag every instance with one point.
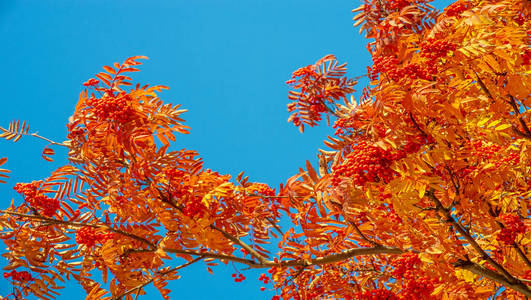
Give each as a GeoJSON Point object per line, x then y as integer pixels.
{"type": "Point", "coordinates": [142, 285]}
{"type": "Point", "coordinates": [240, 243]}
{"type": "Point", "coordinates": [324, 260]}
{"type": "Point", "coordinates": [76, 224]}
{"type": "Point", "coordinates": [482, 271]}
{"type": "Point", "coordinates": [450, 219]}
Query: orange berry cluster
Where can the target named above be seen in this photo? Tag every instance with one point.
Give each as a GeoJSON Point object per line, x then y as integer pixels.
{"type": "Point", "coordinates": [178, 188]}
{"type": "Point", "coordinates": [397, 4]}
{"type": "Point", "coordinates": [389, 212]}
{"type": "Point", "coordinates": [412, 71]}
{"type": "Point", "coordinates": [23, 276]}
{"type": "Point", "coordinates": [382, 64]}
{"type": "Point", "coordinates": [89, 236]}
{"type": "Point", "coordinates": [404, 265]}
{"type": "Point", "coordinates": [91, 82]}
{"type": "Point", "coordinates": [194, 207]}
{"type": "Point", "coordinates": [263, 277]}
{"type": "Point", "coordinates": [417, 285]}
{"type": "Point", "coordinates": [526, 56]}
{"type": "Point", "coordinates": [376, 294]}
{"type": "Point", "coordinates": [513, 227]}
{"type": "Point", "coordinates": [493, 151]}
{"type": "Point", "coordinates": [434, 49]}
{"type": "Point", "coordinates": [36, 199]}
{"type": "Point", "coordinates": [111, 107]}
{"type": "Point", "coordinates": [238, 277]}
{"type": "Point", "coordinates": [365, 164]}
{"type": "Point", "coordinates": [457, 8]}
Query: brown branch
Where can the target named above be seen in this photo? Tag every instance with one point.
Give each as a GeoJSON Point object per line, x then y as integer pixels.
{"type": "Point", "coordinates": [482, 271]}
{"type": "Point", "coordinates": [365, 238]}
{"type": "Point", "coordinates": [142, 285]}
{"type": "Point", "coordinates": [275, 225]}
{"type": "Point", "coordinates": [239, 242]}
{"type": "Point", "coordinates": [77, 224]}
{"type": "Point", "coordinates": [522, 255]}
{"type": "Point", "coordinates": [516, 109]}
{"type": "Point", "coordinates": [450, 219]}
{"type": "Point", "coordinates": [245, 261]}
{"type": "Point", "coordinates": [417, 125]}
{"type": "Point", "coordinates": [324, 260]}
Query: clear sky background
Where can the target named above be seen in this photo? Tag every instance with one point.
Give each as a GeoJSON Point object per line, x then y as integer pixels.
{"type": "Point", "coordinates": [225, 61]}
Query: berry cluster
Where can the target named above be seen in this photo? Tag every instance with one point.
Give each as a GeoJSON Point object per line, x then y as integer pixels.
{"type": "Point", "coordinates": [365, 164]}
{"type": "Point", "coordinates": [485, 152]}
{"type": "Point", "coordinates": [413, 144]}
{"type": "Point", "coordinates": [111, 107]}
{"type": "Point", "coordinates": [526, 56]}
{"type": "Point", "coordinates": [91, 82]}
{"type": "Point", "coordinates": [457, 8]}
{"type": "Point", "coordinates": [238, 277]}
{"type": "Point", "coordinates": [178, 188]}
{"type": "Point", "coordinates": [315, 86]}
{"type": "Point", "coordinates": [89, 236]}
{"type": "Point", "coordinates": [417, 285]}
{"type": "Point", "coordinates": [434, 49]}
{"type": "Point", "coordinates": [23, 276]}
{"type": "Point", "coordinates": [513, 226]}
{"type": "Point", "coordinates": [397, 4]}
{"type": "Point", "coordinates": [194, 207]}
{"type": "Point", "coordinates": [36, 199]}
{"type": "Point", "coordinates": [340, 125]}
{"type": "Point", "coordinates": [376, 294]}
{"type": "Point", "coordinates": [412, 71]}
{"type": "Point", "coordinates": [404, 265]}
{"type": "Point", "coordinates": [263, 277]}
{"type": "Point", "coordinates": [389, 212]}
{"type": "Point", "coordinates": [382, 64]}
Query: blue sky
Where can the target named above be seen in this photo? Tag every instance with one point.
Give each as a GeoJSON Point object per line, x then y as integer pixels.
{"type": "Point", "coordinates": [225, 61]}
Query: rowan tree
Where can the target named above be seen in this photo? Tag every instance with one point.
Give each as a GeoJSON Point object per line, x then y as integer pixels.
{"type": "Point", "coordinates": [423, 192]}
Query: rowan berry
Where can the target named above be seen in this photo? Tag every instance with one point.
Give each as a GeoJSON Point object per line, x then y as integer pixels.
{"type": "Point", "coordinates": [22, 276]}
{"type": "Point", "coordinates": [89, 236]}
{"type": "Point", "coordinates": [36, 199]}
{"type": "Point", "coordinates": [91, 82]}
{"type": "Point", "coordinates": [113, 107]}
{"type": "Point", "coordinates": [376, 294]}
{"type": "Point", "coordinates": [457, 8]}
{"type": "Point", "coordinates": [513, 227]}
{"type": "Point", "coordinates": [365, 164]}
{"type": "Point", "coordinates": [434, 49]}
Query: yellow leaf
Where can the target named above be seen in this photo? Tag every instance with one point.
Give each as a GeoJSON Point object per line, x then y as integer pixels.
{"type": "Point", "coordinates": [494, 123]}
{"type": "Point", "coordinates": [503, 126]}
{"type": "Point", "coordinates": [483, 121]}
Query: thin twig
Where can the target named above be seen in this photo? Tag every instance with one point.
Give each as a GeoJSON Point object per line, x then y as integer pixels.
{"type": "Point", "coordinates": [76, 224]}
{"type": "Point", "coordinates": [142, 285]}
{"type": "Point", "coordinates": [239, 242]}
{"type": "Point", "coordinates": [365, 238]}
{"type": "Point", "coordinates": [46, 139]}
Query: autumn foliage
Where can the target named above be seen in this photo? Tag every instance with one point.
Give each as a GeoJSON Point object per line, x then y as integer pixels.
{"type": "Point", "coordinates": [423, 192]}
